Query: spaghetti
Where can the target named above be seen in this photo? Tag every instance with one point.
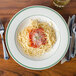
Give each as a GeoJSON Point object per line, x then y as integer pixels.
{"type": "Point", "coordinates": [37, 38]}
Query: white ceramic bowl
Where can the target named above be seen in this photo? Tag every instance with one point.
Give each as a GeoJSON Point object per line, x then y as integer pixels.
{"type": "Point", "coordinates": [20, 20]}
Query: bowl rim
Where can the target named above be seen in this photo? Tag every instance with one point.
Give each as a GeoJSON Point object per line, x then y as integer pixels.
{"type": "Point", "coordinates": [6, 36]}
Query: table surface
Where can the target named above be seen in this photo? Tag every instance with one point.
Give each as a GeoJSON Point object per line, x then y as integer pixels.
{"type": "Point", "coordinates": [9, 67]}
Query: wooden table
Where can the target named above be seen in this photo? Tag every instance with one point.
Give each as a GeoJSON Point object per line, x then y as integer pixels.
{"type": "Point", "coordinates": [9, 67]}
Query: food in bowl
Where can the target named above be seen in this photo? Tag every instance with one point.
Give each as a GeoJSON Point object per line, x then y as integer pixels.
{"type": "Point", "coordinates": [37, 38]}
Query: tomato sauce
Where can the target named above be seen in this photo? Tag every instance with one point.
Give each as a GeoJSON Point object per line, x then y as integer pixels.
{"type": "Point", "coordinates": [37, 37]}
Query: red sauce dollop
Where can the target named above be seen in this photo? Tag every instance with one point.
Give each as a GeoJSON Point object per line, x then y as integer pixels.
{"type": "Point", "coordinates": [37, 37]}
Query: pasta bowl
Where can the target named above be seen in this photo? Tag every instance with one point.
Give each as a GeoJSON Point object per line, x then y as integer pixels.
{"type": "Point", "coordinates": [20, 20]}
